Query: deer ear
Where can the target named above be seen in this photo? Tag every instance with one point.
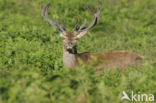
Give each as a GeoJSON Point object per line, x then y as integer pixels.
{"type": "Point", "coordinates": [83, 33]}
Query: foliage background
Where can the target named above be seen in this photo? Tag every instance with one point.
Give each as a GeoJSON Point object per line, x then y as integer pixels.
{"type": "Point", "coordinates": [31, 68]}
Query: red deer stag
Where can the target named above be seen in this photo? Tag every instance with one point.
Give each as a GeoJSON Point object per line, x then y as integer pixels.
{"type": "Point", "coordinates": [119, 59]}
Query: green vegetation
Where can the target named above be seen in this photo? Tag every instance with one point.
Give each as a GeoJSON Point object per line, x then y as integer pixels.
{"type": "Point", "coordinates": [31, 68]}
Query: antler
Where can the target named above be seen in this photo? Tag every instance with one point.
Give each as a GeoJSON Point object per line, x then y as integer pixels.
{"type": "Point", "coordinates": [94, 22]}
{"type": "Point", "coordinates": [54, 24]}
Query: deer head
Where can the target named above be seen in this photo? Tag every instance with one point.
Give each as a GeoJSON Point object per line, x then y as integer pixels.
{"type": "Point", "coordinates": [70, 38]}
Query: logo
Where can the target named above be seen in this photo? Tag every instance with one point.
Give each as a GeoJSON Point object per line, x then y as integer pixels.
{"type": "Point", "coordinates": [137, 97]}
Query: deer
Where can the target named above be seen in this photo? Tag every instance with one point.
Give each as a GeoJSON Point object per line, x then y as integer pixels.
{"type": "Point", "coordinates": [71, 58]}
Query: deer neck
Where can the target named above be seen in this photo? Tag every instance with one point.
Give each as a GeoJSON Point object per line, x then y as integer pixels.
{"type": "Point", "coordinates": [69, 58]}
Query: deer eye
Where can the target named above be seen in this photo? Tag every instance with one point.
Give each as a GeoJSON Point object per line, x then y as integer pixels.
{"type": "Point", "coordinates": [70, 43]}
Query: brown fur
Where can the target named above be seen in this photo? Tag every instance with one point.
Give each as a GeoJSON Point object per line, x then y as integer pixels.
{"type": "Point", "coordinates": [119, 59]}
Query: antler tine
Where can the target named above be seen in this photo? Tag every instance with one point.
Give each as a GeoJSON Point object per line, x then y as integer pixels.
{"type": "Point", "coordinates": [63, 25]}
{"type": "Point", "coordinates": [45, 16]}
{"type": "Point", "coordinates": [94, 22]}
{"type": "Point", "coordinates": [83, 25]}
{"type": "Point", "coordinates": [76, 24]}
{"type": "Point", "coordinates": [57, 25]}
{"type": "Point", "coordinates": [98, 9]}
{"type": "Point", "coordinates": [91, 10]}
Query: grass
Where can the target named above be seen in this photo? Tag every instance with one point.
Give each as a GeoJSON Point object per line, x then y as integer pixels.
{"type": "Point", "coordinates": [31, 69]}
